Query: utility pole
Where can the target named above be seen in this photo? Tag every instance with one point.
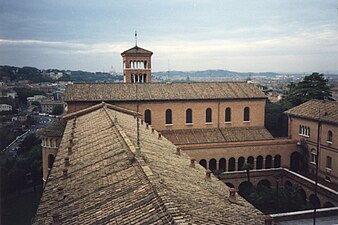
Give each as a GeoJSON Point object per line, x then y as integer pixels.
{"type": "Point", "coordinates": [317, 166]}
{"type": "Point", "coordinates": [138, 148]}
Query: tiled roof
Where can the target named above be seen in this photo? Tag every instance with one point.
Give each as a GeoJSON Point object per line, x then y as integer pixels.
{"type": "Point", "coordinates": [162, 91]}
{"type": "Point", "coordinates": [53, 130]}
{"type": "Point", "coordinates": [136, 50]}
{"type": "Point", "coordinates": [107, 184]}
{"type": "Point", "coordinates": [309, 110]}
{"type": "Point", "coordinates": [215, 135]}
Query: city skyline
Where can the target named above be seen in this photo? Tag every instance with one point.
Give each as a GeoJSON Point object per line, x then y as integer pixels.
{"type": "Point", "coordinates": [246, 36]}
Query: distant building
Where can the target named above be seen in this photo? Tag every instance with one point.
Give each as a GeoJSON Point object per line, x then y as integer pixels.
{"type": "Point", "coordinates": [47, 106]}
{"type": "Point", "coordinates": [37, 98]}
{"type": "Point", "coordinates": [304, 121]}
{"type": "Point", "coordinates": [5, 108]}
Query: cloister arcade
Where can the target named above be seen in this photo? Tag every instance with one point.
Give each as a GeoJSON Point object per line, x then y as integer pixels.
{"type": "Point", "coordinates": [231, 164]}
{"type": "Point", "coordinates": [267, 178]}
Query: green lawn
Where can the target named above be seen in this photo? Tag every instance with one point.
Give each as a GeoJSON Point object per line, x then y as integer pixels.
{"type": "Point", "coordinates": [20, 209]}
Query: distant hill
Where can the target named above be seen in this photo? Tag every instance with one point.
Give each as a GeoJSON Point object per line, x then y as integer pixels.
{"type": "Point", "coordinates": [225, 74]}
{"type": "Point", "coordinates": [35, 75]}
{"type": "Point", "coordinates": [212, 74]}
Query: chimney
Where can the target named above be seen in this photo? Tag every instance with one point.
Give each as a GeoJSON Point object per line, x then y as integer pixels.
{"type": "Point", "coordinates": [208, 175]}
{"type": "Point", "coordinates": [192, 163]}
{"type": "Point", "coordinates": [56, 217]}
{"type": "Point", "coordinates": [70, 141]}
{"type": "Point", "coordinates": [65, 173]}
{"type": "Point", "coordinates": [152, 130]}
{"type": "Point", "coordinates": [178, 151]}
{"type": "Point", "coordinates": [72, 134]}
{"type": "Point", "coordinates": [159, 135]}
{"type": "Point", "coordinates": [60, 193]}
{"type": "Point", "coordinates": [70, 150]}
{"type": "Point", "coordinates": [141, 122]}
{"type": "Point", "coordinates": [147, 125]}
{"type": "Point", "coordinates": [67, 161]}
{"type": "Point", "coordinates": [232, 195]}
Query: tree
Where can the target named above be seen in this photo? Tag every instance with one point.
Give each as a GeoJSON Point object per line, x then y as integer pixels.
{"type": "Point", "coordinates": [29, 141]}
{"type": "Point", "coordinates": [314, 86]}
{"type": "Point", "coordinates": [275, 121]}
{"type": "Point", "coordinates": [57, 110]}
{"type": "Point", "coordinates": [23, 93]}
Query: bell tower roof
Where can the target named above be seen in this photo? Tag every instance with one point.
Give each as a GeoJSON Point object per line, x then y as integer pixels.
{"type": "Point", "coordinates": [137, 50]}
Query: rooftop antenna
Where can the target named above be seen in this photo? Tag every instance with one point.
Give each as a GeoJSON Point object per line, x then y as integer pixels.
{"type": "Point", "coordinates": [168, 70]}
{"type": "Point", "coordinates": [135, 38]}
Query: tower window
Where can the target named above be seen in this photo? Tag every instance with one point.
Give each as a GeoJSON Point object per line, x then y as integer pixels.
{"type": "Point", "coordinates": [208, 115]}
{"type": "Point", "coordinates": [168, 117]}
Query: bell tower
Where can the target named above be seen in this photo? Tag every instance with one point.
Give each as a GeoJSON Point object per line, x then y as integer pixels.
{"type": "Point", "coordinates": [136, 64]}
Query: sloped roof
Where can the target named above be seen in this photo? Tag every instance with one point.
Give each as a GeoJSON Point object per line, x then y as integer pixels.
{"type": "Point", "coordinates": [54, 129]}
{"type": "Point", "coordinates": [309, 110]}
{"type": "Point", "coordinates": [136, 50]}
{"type": "Point", "coordinates": [107, 184]}
{"type": "Point", "coordinates": [162, 91]}
{"type": "Point", "coordinates": [217, 135]}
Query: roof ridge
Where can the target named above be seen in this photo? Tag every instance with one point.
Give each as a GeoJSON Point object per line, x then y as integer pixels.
{"type": "Point", "coordinates": [98, 106]}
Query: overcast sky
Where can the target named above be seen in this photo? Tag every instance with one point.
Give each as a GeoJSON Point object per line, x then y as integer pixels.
{"type": "Point", "coordinates": [248, 36]}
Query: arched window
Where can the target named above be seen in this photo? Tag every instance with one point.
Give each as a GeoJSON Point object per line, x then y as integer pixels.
{"type": "Point", "coordinates": [240, 163]}
{"type": "Point", "coordinates": [277, 161]}
{"type": "Point", "coordinates": [268, 162]}
{"type": "Point", "coordinates": [203, 163]}
{"type": "Point", "coordinates": [250, 161]}
{"type": "Point", "coordinates": [212, 164]}
{"type": "Point", "coordinates": [132, 78]}
{"type": "Point", "coordinates": [329, 136]}
{"type": "Point", "coordinates": [259, 162]}
{"type": "Point", "coordinates": [222, 164]}
{"type": "Point", "coordinates": [168, 117]}
{"type": "Point", "coordinates": [246, 114]}
{"type": "Point", "coordinates": [232, 164]}
{"type": "Point", "coordinates": [188, 116]}
{"type": "Point", "coordinates": [51, 159]}
{"type": "Point", "coordinates": [147, 116]}
{"type": "Point", "coordinates": [228, 114]}
{"type": "Point", "coordinates": [208, 115]}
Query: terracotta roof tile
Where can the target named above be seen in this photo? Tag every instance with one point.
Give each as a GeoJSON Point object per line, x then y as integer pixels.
{"type": "Point", "coordinates": [215, 135]}
{"type": "Point", "coordinates": [107, 184]}
{"type": "Point", "coordinates": [162, 91]}
{"type": "Point", "coordinates": [309, 109]}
